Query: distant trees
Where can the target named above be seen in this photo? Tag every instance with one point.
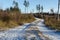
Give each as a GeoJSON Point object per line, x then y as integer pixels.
{"type": "Point", "coordinates": [26, 4]}
{"type": "Point", "coordinates": [38, 7]}
{"type": "Point", "coordinates": [15, 4]}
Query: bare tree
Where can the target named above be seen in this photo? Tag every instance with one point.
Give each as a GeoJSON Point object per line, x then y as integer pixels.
{"type": "Point", "coordinates": [58, 9]}
{"type": "Point", "coordinates": [42, 9]}
{"type": "Point", "coordinates": [26, 4]}
{"type": "Point", "coordinates": [38, 8]}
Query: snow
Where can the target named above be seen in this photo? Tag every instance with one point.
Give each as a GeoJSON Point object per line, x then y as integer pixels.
{"type": "Point", "coordinates": [47, 32]}
{"type": "Point", "coordinates": [20, 34]}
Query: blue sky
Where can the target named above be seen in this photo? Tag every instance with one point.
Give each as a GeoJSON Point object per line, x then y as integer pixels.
{"type": "Point", "coordinates": [47, 4]}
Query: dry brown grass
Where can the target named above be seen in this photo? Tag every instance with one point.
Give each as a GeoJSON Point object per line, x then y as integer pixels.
{"type": "Point", "coordinates": [11, 19]}
{"type": "Point", "coordinates": [52, 22]}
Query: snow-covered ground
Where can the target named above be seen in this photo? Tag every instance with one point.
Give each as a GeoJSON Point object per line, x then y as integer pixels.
{"type": "Point", "coordinates": [20, 33]}
{"type": "Point", "coordinates": [52, 34]}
